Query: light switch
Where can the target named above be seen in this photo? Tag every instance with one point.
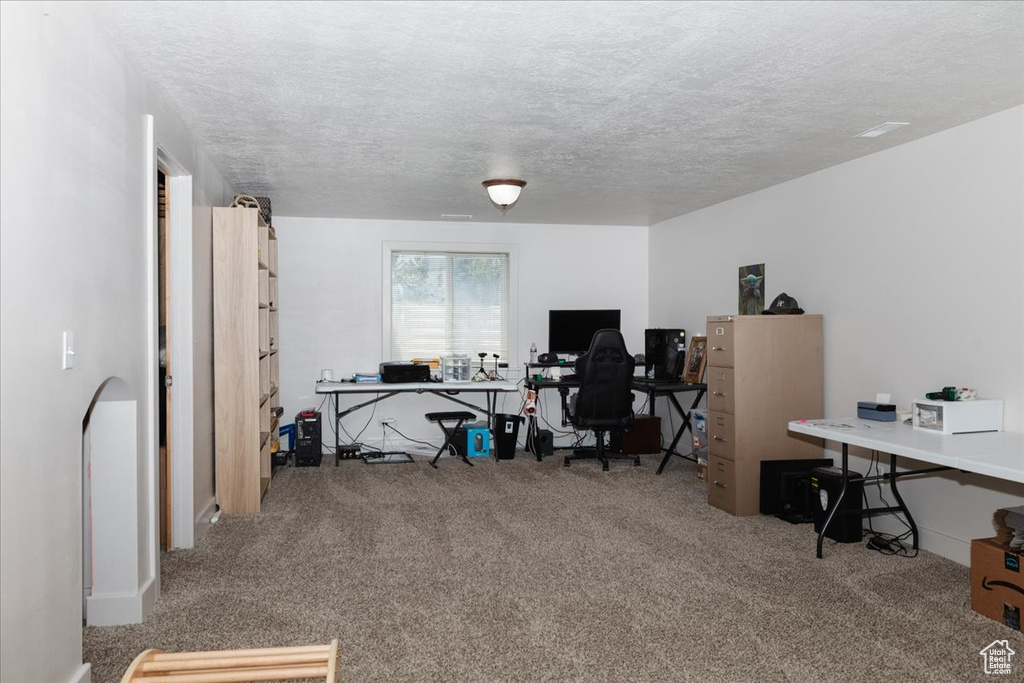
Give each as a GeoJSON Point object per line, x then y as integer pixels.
{"type": "Point", "coordinates": [68, 357]}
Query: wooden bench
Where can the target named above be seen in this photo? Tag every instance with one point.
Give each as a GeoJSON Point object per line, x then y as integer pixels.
{"type": "Point", "coordinates": [236, 666]}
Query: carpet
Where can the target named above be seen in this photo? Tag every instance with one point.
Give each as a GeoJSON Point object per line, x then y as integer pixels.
{"type": "Point", "coordinates": [521, 570]}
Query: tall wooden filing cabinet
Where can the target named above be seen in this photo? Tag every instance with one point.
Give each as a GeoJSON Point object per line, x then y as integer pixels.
{"type": "Point", "coordinates": [763, 372]}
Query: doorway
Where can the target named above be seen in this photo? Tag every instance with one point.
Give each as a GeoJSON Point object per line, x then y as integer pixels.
{"type": "Point", "coordinates": [165, 385]}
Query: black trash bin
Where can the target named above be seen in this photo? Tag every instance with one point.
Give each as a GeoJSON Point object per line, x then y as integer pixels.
{"type": "Point", "coordinates": [506, 431]}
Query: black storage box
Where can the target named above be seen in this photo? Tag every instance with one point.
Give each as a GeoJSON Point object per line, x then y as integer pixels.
{"type": "Point", "coordinates": [786, 488]}
{"type": "Point", "coordinates": [401, 371]}
{"type": "Point", "coordinates": [880, 412]}
{"type": "Point", "coordinates": [847, 525]}
{"type": "Point", "coordinates": [641, 437]}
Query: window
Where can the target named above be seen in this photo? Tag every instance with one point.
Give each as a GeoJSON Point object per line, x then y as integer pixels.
{"type": "Point", "coordinates": [449, 302]}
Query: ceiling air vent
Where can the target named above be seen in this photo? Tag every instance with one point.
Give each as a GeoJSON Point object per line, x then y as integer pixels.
{"type": "Point", "coordinates": [881, 130]}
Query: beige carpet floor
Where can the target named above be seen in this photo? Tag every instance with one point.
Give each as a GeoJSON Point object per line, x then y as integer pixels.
{"type": "Point", "coordinates": [525, 571]}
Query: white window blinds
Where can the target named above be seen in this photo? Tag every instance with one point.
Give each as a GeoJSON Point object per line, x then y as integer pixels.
{"type": "Point", "coordinates": [444, 303]}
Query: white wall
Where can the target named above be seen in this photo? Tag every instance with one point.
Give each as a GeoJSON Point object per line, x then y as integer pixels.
{"type": "Point", "coordinates": [331, 296]}
{"type": "Point", "coordinates": [73, 256]}
{"type": "Point", "coordinates": [914, 255]}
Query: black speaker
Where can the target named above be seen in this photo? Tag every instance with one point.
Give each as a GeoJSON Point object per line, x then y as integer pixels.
{"type": "Point", "coordinates": [846, 526]}
{"type": "Point", "coordinates": [664, 353]}
{"type": "Point", "coordinates": [545, 442]}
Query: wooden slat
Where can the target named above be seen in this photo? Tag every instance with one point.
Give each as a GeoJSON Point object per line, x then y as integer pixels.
{"type": "Point", "coordinates": [332, 662]}
{"type": "Point", "coordinates": [211, 654]}
{"type": "Point", "coordinates": [240, 676]}
{"type": "Point", "coordinates": [228, 662]}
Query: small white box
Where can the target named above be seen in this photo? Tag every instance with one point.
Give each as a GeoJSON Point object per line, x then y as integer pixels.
{"type": "Point", "coordinates": [958, 417]}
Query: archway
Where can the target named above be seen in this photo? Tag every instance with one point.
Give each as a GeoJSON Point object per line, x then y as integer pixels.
{"type": "Point", "coordinates": [113, 559]}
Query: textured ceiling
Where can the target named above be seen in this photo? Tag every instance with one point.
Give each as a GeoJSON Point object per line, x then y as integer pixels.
{"type": "Point", "coordinates": [613, 112]}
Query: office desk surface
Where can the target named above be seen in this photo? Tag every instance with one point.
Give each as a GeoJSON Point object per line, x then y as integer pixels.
{"type": "Point", "coordinates": [415, 387]}
{"type": "Point", "coordinates": [994, 454]}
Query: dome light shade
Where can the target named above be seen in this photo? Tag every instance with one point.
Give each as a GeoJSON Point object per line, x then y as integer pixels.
{"type": "Point", "coordinates": [504, 193]}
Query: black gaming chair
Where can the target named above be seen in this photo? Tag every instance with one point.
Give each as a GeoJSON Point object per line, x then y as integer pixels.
{"type": "Point", "coordinates": [604, 402]}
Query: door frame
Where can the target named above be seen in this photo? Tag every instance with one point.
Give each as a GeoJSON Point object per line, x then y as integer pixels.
{"type": "Point", "coordinates": [180, 347]}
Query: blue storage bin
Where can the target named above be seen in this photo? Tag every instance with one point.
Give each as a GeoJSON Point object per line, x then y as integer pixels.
{"type": "Point", "coordinates": [478, 439]}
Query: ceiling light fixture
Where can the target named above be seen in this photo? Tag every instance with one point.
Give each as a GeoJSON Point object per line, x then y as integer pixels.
{"type": "Point", "coordinates": [504, 193]}
{"type": "Point", "coordinates": [881, 130]}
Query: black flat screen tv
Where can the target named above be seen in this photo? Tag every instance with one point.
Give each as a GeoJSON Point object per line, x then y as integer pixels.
{"type": "Point", "coordinates": [570, 332]}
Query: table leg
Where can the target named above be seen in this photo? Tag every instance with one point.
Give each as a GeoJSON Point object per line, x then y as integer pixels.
{"type": "Point", "coordinates": [835, 506]}
{"type": "Point", "coordinates": [899, 498]}
{"type": "Point", "coordinates": [671, 450]}
{"type": "Point", "coordinates": [337, 429]}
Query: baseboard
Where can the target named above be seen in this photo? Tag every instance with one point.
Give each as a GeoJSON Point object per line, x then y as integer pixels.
{"type": "Point", "coordinates": [149, 594]}
{"type": "Point", "coordinates": [123, 608]}
{"type": "Point", "coordinates": [202, 522]}
{"type": "Point", "coordinates": [83, 675]}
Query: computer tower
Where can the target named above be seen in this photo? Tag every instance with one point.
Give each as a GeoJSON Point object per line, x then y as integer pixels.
{"type": "Point", "coordinates": [664, 353]}
{"type": "Point", "coordinates": [826, 482]}
{"type": "Point", "coordinates": [308, 446]}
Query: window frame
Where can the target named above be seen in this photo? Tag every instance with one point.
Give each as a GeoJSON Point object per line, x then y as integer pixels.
{"type": "Point", "coordinates": [511, 251]}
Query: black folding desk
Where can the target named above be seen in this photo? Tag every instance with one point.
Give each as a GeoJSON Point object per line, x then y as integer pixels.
{"type": "Point", "coordinates": [653, 389]}
{"type": "Point", "coordinates": [656, 388]}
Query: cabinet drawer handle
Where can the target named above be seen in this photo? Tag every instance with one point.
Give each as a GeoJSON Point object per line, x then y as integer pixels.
{"type": "Point", "coordinates": [718, 438]}
{"type": "Point", "coordinates": [720, 485]}
{"type": "Point", "coordinates": [718, 393]}
{"type": "Point", "coordinates": [718, 348]}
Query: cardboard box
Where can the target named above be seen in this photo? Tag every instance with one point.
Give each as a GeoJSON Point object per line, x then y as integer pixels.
{"type": "Point", "coordinates": [997, 585]}
{"type": "Point", "coordinates": [702, 471]}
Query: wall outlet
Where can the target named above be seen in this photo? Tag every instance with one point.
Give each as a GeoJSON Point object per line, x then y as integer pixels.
{"type": "Point", "coordinates": [387, 421]}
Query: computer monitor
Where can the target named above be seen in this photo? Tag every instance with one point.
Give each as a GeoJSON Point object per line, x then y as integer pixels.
{"type": "Point", "coordinates": [570, 332]}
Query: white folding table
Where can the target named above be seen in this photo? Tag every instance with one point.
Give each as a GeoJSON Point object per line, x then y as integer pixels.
{"type": "Point", "coordinates": [381, 391]}
{"type": "Point", "coordinates": [993, 454]}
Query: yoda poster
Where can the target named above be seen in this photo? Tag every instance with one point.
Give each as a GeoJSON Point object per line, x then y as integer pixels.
{"type": "Point", "coordinates": [752, 289]}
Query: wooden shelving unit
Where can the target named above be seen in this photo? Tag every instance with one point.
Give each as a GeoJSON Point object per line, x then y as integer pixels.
{"type": "Point", "coordinates": [246, 366]}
